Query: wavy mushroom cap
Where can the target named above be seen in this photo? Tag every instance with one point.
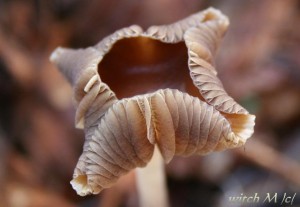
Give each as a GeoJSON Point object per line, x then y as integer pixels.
{"type": "Point", "coordinates": [136, 89]}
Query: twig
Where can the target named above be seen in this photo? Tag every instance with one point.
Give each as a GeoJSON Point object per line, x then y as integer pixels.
{"type": "Point", "coordinates": [20, 66]}
{"type": "Point", "coordinates": [271, 159]}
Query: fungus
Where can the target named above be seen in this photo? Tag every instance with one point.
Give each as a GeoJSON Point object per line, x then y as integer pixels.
{"type": "Point", "coordinates": [152, 94]}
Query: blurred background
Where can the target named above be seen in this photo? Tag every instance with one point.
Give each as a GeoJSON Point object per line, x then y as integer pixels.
{"type": "Point", "coordinates": [258, 62]}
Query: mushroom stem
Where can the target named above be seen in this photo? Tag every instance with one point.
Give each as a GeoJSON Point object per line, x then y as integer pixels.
{"type": "Point", "coordinates": [151, 182]}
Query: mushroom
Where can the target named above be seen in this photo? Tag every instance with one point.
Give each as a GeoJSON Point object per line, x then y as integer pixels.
{"type": "Point", "coordinates": [154, 93]}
